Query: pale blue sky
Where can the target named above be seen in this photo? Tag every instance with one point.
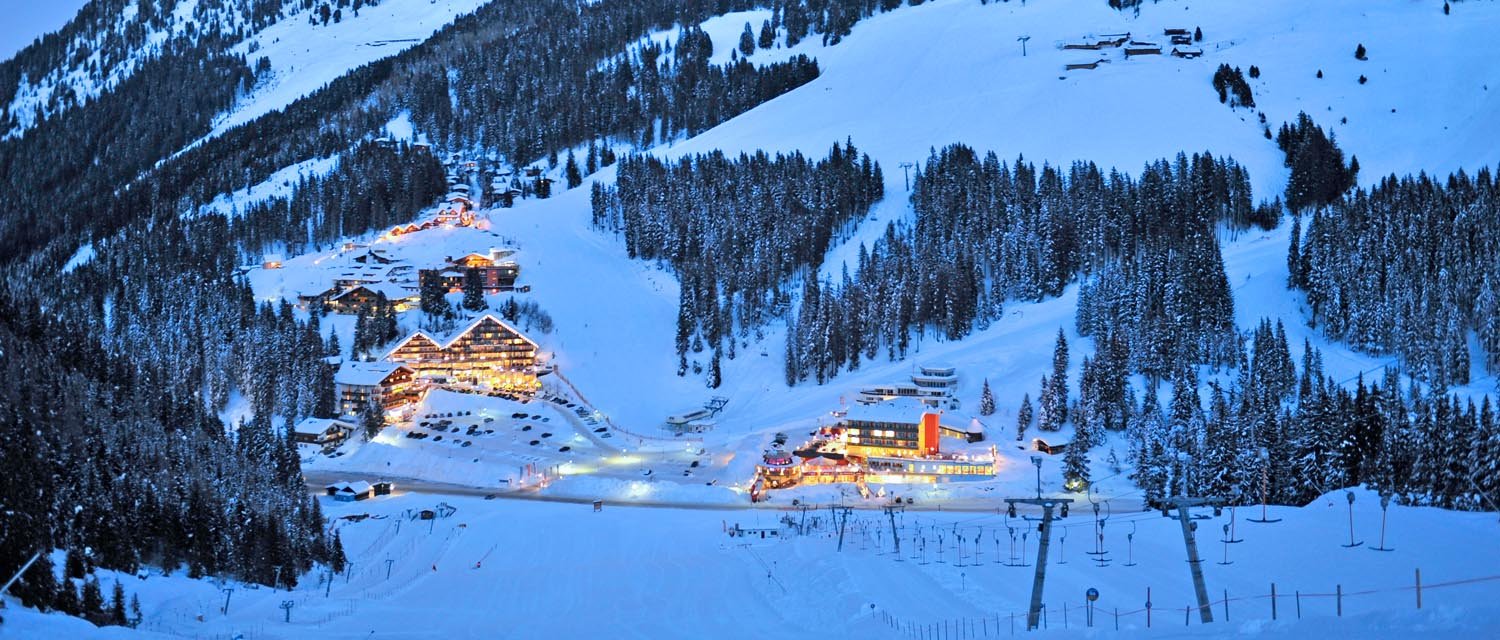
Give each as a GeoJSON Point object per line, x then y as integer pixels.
{"type": "Point", "coordinates": [21, 21]}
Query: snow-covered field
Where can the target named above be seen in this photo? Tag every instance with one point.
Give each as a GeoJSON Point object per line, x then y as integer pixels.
{"type": "Point", "coordinates": [544, 570]}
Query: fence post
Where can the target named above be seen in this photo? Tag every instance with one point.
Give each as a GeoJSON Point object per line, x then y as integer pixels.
{"type": "Point", "coordinates": [1187, 613]}
{"type": "Point", "coordinates": [1299, 603]}
{"type": "Point", "coordinates": [1338, 594]}
{"type": "Point", "coordinates": [1226, 605]}
{"type": "Point", "coordinates": [1273, 601]}
{"type": "Point", "coordinates": [1148, 607]}
{"type": "Point", "coordinates": [1117, 618]}
{"type": "Point", "coordinates": [1065, 614]}
{"type": "Point", "coordinates": [1419, 587]}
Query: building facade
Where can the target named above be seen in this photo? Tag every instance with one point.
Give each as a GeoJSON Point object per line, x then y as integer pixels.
{"type": "Point", "coordinates": [389, 385]}
{"type": "Point", "coordinates": [488, 352]}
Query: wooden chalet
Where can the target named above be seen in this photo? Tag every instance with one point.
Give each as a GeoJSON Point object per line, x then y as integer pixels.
{"type": "Point", "coordinates": [322, 431]}
{"type": "Point", "coordinates": [364, 297]}
{"type": "Point", "coordinates": [1085, 65]}
{"type": "Point", "coordinates": [1182, 40]}
{"type": "Point", "coordinates": [390, 385]}
{"type": "Point", "coordinates": [1142, 49]}
{"type": "Point", "coordinates": [1176, 32]}
{"type": "Point", "coordinates": [487, 352]}
{"type": "Point", "coordinates": [1114, 39]}
{"type": "Point", "coordinates": [1187, 52]}
{"type": "Point", "coordinates": [496, 274]}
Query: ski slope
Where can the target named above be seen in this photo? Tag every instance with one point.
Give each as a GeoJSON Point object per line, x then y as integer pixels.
{"type": "Point", "coordinates": [544, 570]}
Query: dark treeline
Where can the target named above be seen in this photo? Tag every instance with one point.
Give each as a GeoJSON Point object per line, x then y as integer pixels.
{"type": "Point", "coordinates": [735, 229]}
{"type": "Point", "coordinates": [61, 176]}
{"type": "Point", "coordinates": [100, 43]}
{"type": "Point", "coordinates": [1409, 267]}
{"type": "Point", "coordinates": [986, 232]}
{"type": "Point", "coordinates": [373, 187]}
{"type": "Point", "coordinates": [1305, 434]}
{"type": "Point", "coordinates": [108, 455]}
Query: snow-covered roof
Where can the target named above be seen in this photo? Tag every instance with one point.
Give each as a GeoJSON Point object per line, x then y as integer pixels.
{"type": "Point", "coordinates": [907, 410]}
{"type": "Point", "coordinates": [319, 426]}
{"type": "Point", "coordinates": [365, 374]}
{"type": "Point", "coordinates": [445, 342]}
{"type": "Point", "coordinates": [391, 290]}
{"type": "Point", "coordinates": [356, 487]}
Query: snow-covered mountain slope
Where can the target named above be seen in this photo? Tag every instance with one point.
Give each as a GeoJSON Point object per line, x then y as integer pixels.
{"type": "Point", "coordinates": [303, 58]}
{"type": "Point", "coordinates": [947, 71]}
{"type": "Point", "coordinates": [922, 77]}
{"type": "Point", "coordinates": [303, 51]}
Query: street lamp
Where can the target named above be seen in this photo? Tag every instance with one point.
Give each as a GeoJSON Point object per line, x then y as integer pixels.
{"type": "Point", "coordinates": [1037, 461]}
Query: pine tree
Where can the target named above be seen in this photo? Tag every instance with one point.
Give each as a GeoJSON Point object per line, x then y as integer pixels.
{"type": "Point", "coordinates": [1023, 417]}
{"type": "Point", "coordinates": [432, 294]}
{"type": "Point", "coordinates": [372, 420]}
{"type": "Point", "coordinates": [336, 558]}
{"type": "Point", "coordinates": [1076, 460]}
{"type": "Point", "coordinates": [474, 290]}
{"type": "Point", "coordinates": [135, 611]}
{"type": "Point", "coordinates": [117, 606]}
{"type": "Point", "coordinates": [574, 177]}
{"type": "Point", "coordinates": [1359, 52]}
{"type": "Point", "coordinates": [747, 41]}
{"type": "Point", "coordinates": [92, 601]}
{"type": "Point", "coordinates": [767, 35]}
{"type": "Point", "coordinates": [986, 400]}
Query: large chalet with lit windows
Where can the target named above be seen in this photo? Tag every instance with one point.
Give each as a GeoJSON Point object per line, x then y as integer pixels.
{"type": "Point", "coordinates": [496, 273]}
{"type": "Point", "coordinates": [388, 385]}
{"type": "Point", "coordinates": [487, 352]}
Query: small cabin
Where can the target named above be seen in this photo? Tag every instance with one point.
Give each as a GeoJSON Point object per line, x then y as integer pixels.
{"type": "Point", "coordinates": [1188, 53]}
{"type": "Point", "coordinates": [1144, 49]}
{"type": "Point", "coordinates": [350, 491]}
{"type": "Point", "coordinates": [1049, 449]}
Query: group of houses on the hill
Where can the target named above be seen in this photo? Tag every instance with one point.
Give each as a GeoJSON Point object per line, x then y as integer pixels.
{"type": "Point", "coordinates": [363, 278]}
{"type": "Point", "coordinates": [1181, 39]}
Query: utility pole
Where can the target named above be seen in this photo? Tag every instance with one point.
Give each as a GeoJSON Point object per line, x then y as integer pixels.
{"type": "Point", "coordinates": [1034, 613]}
{"type": "Point", "coordinates": [843, 518]}
{"type": "Point", "coordinates": [890, 512]}
{"type": "Point", "coordinates": [1181, 504]}
{"type": "Point", "coordinates": [906, 173]}
{"type": "Point", "coordinates": [1023, 40]}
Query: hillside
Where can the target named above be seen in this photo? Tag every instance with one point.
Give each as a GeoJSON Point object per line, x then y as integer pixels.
{"type": "Point", "coordinates": [199, 289]}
